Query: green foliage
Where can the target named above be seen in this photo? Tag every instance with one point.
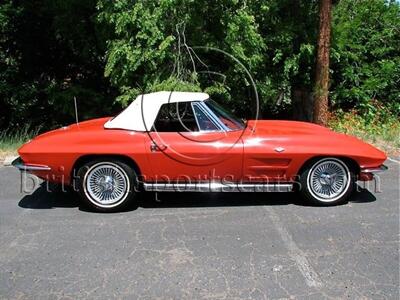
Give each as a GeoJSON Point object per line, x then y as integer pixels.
{"type": "Point", "coordinates": [170, 84]}
{"type": "Point", "coordinates": [174, 84]}
{"type": "Point", "coordinates": [383, 130]}
{"type": "Point", "coordinates": [107, 52]}
{"type": "Point", "coordinates": [12, 139]}
{"type": "Point", "coordinates": [147, 50]}
{"type": "Point", "coordinates": [272, 39]}
{"type": "Point", "coordinates": [50, 51]}
{"type": "Point", "coordinates": [366, 55]}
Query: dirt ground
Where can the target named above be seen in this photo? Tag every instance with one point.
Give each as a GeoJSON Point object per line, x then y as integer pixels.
{"type": "Point", "coordinates": [4, 154]}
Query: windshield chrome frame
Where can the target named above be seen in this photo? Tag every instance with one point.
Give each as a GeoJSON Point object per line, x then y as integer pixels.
{"type": "Point", "coordinates": [206, 111]}
{"type": "Point", "coordinates": [215, 118]}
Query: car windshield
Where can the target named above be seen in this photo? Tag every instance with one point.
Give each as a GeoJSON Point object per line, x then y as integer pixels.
{"type": "Point", "coordinates": [226, 118]}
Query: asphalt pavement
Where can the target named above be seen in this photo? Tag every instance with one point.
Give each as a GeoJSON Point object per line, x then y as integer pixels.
{"type": "Point", "coordinates": [200, 246]}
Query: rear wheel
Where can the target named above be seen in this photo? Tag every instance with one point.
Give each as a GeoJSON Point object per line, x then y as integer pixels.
{"type": "Point", "coordinates": [107, 185]}
{"type": "Point", "coordinates": [327, 181]}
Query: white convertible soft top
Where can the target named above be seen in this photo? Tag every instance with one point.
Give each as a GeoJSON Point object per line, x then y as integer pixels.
{"type": "Point", "coordinates": [142, 112]}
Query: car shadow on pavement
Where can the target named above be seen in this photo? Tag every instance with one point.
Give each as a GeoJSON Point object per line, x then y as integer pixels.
{"type": "Point", "coordinates": [42, 198]}
{"type": "Point", "coordinates": [362, 196]}
{"type": "Point", "coordinates": [187, 199]}
{"type": "Point", "coordinates": [236, 199]}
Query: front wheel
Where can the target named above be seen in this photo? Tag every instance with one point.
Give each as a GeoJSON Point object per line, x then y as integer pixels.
{"type": "Point", "coordinates": [107, 185]}
{"type": "Point", "coordinates": [327, 181]}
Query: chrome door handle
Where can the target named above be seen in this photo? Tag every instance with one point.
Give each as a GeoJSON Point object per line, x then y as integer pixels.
{"type": "Point", "coordinates": [154, 147]}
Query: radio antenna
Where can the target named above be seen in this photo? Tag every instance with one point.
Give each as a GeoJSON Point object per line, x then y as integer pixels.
{"type": "Point", "coordinates": [76, 111]}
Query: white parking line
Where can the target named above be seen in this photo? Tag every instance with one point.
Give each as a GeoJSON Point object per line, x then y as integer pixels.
{"type": "Point", "coordinates": [393, 160]}
{"type": "Point", "coordinates": [311, 277]}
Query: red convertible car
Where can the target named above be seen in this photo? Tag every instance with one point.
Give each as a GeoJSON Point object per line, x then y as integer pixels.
{"type": "Point", "coordinates": [179, 141]}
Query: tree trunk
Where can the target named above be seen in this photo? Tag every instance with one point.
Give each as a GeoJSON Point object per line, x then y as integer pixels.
{"type": "Point", "coordinates": [322, 67]}
{"type": "Point", "coordinates": [302, 104]}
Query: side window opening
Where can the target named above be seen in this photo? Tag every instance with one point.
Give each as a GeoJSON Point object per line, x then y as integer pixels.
{"type": "Point", "coordinates": [175, 117]}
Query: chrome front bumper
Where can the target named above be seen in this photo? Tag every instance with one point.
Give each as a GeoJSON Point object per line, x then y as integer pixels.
{"type": "Point", "coordinates": [376, 170]}
{"type": "Point", "coordinates": [20, 165]}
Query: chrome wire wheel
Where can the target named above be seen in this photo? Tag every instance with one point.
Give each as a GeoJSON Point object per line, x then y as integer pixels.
{"type": "Point", "coordinates": [328, 180]}
{"type": "Point", "coordinates": [106, 184]}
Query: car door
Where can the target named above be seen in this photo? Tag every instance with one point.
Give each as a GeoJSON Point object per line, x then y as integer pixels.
{"type": "Point", "coordinates": [187, 145]}
{"type": "Point", "coordinates": [265, 158]}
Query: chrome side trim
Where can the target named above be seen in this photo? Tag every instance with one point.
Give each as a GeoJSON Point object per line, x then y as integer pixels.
{"type": "Point", "coordinates": [218, 187]}
{"type": "Point", "coordinates": [20, 165]}
{"type": "Point", "coordinates": [379, 169]}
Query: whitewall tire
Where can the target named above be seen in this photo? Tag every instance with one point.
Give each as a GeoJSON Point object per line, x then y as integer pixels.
{"type": "Point", "coordinates": [107, 185]}
{"type": "Point", "coordinates": [327, 181]}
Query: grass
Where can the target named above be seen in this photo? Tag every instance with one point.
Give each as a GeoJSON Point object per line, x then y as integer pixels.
{"type": "Point", "coordinates": [12, 139]}
{"type": "Point", "coordinates": [382, 130]}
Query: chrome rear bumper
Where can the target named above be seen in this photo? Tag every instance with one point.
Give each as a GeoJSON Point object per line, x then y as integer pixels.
{"type": "Point", "coordinates": [20, 165]}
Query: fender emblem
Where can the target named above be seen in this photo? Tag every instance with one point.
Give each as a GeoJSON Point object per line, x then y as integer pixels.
{"type": "Point", "coordinates": [279, 149]}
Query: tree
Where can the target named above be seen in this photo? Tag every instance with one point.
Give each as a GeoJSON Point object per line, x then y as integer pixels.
{"type": "Point", "coordinates": [145, 48]}
{"type": "Point", "coordinates": [50, 51]}
{"type": "Point", "coordinates": [365, 56]}
{"type": "Point", "coordinates": [105, 52]}
{"type": "Point", "coordinates": [321, 89]}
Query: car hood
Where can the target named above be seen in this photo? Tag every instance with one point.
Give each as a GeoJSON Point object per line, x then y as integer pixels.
{"type": "Point", "coordinates": [303, 137]}
{"type": "Point", "coordinates": [283, 128]}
